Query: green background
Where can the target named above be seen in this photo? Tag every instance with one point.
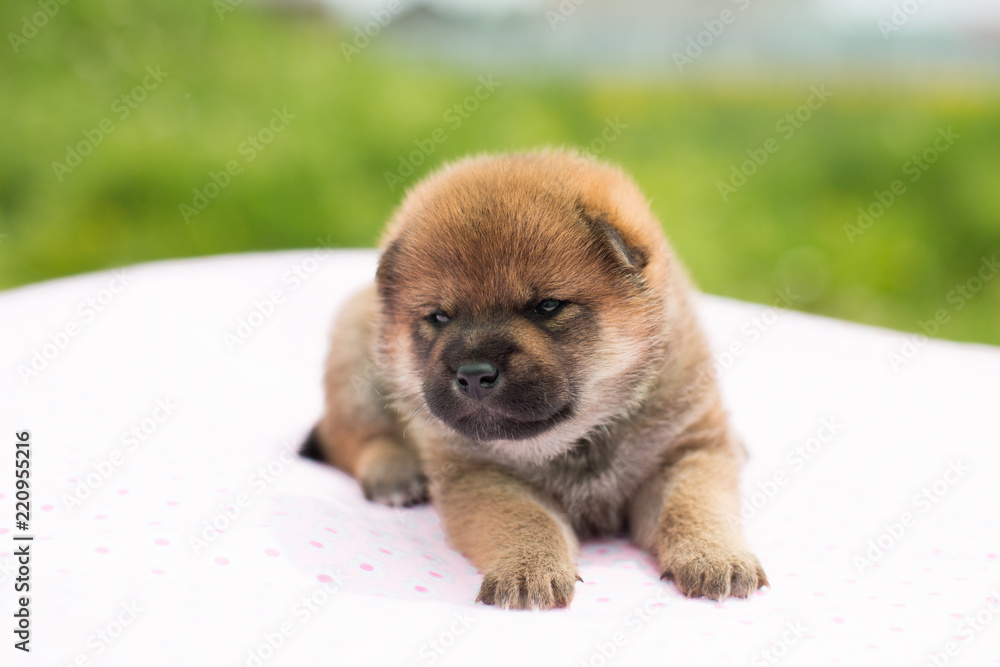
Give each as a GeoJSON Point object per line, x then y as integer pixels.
{"type": "Point", "coordinates": [324, 175]}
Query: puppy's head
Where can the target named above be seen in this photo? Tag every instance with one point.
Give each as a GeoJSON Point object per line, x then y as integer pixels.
{"type": "Point", "coordinates": [522, 299]}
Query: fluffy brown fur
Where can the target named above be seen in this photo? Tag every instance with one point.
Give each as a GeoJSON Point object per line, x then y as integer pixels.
{"type": "Point", "coordinates": [604, 416]}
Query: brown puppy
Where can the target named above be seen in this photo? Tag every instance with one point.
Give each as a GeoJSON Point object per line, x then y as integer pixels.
{"type": "Point", "coordinates": [529, 354]}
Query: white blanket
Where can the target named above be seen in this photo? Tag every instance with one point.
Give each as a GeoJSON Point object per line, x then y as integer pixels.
{"type": "Point", "coordinates": [171, 397]}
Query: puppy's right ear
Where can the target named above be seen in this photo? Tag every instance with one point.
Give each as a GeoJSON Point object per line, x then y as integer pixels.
{"type": "Point", "coordinates": [623, 251]}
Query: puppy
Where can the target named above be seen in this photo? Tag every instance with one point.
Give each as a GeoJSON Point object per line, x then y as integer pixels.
{"type": "Point", "coordinates": [529, 358]}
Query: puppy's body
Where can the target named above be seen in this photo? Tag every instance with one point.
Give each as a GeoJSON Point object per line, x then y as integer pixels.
{"type": "Point", "coordinates": [535, 423]}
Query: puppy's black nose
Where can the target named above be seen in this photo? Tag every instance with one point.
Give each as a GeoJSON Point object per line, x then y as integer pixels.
{"type": "Point", "coordinates": [477, 378]}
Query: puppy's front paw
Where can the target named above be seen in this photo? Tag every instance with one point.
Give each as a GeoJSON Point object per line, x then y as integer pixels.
{"type": "Point", "coordinates": [702, 569]}
{"type": "Point", "coordinates": [529, 583]}
{"type": "Point", "coordinates": [390, 474]}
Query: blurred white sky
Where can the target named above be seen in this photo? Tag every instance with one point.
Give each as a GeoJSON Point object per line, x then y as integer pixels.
{"type": "Point", "coordinates": [933, 15]}
{"type": "Point", "coordinates": [644, 37]}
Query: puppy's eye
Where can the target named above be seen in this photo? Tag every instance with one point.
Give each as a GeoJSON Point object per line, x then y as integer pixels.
{"type": "Point", "coordinates": [437, 317]}
{"type": "Point", "coordinates": [548, 307]}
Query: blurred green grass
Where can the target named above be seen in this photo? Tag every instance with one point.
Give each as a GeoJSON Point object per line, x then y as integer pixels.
{"type": "Point", "coordinates": [324, 175]}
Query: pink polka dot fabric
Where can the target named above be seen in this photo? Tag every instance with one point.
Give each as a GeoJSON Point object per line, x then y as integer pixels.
{"type": "Point", "coordinates": [870, 497]}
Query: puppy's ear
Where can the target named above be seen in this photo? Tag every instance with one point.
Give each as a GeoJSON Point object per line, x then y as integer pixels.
{"type": "Point", "coordinates": [387, 264]}
{"type": "Point", "coordinates": [613, 243]}
{"type": "Point", "coordinates": [387, 274]}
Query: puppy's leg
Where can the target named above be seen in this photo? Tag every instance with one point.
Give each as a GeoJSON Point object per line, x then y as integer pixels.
{"type": "Point", "coordinates": [359, 433]}
{"type": "Point", "coordinates": [521, 540]}
{"type": "Point", "coordinates": [688, 515]}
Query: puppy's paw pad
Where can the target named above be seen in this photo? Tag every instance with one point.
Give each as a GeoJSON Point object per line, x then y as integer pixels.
{"type": "Point", "coordinates": [396, 492]}
{"type": "Point", "coordinates": [393, 478]}
{"type": "Point", "coordinates": [538, 584]}
{"type": "Point", "coordinates": [714, 572]}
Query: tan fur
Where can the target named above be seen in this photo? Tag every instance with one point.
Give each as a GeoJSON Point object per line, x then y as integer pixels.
{"type": "Point", "coordinates": [606, 417]}
{"type": "Point", "coordinates": [360, 433]}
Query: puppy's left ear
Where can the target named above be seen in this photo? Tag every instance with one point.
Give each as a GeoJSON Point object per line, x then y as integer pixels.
{"type": "Point", "coordinates": [614, 244]}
